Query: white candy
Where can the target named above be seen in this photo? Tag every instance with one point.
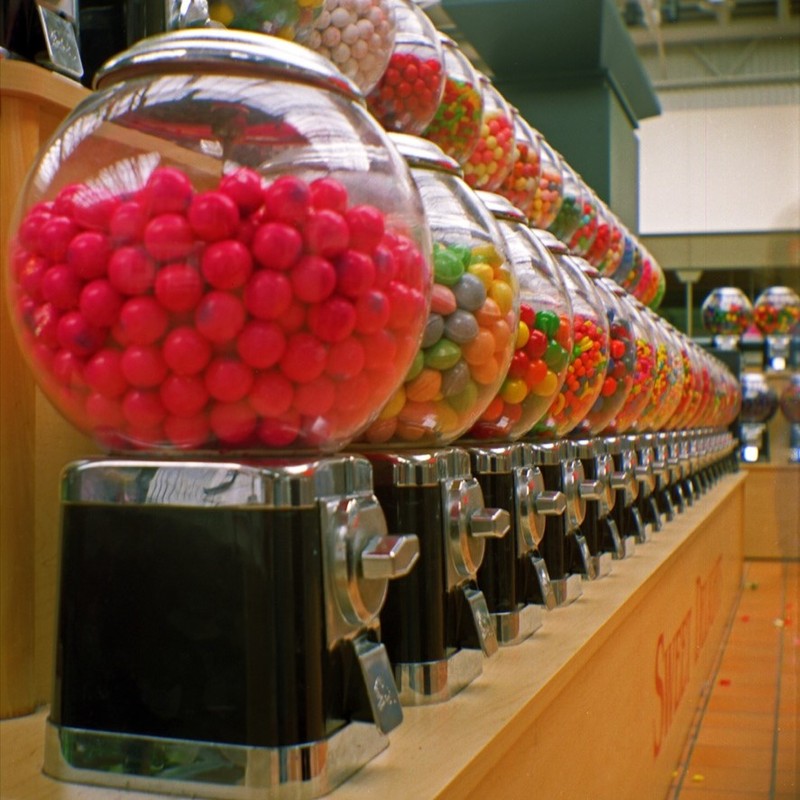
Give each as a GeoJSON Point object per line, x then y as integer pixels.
{"type": "Point", "coordinates": [331, 37]}
{"type": "Point", "coordinates": [359, 49]}
{"type": "Point", "coordinates": [365, 28]}
{"type": "Point", "coordinates": [340, 53]}
{"type": "Point", "coordinates": [350, 34]}
{"type": "Point", "coordinates": [341, 17]}
{"type": "Point", "coordinates": [314, 40]}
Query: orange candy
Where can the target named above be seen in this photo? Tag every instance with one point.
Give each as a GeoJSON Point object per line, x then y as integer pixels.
{"type": "Point", "coordinates": [426, 386]}
{"type": "Point", "coordinates": [480, 349]}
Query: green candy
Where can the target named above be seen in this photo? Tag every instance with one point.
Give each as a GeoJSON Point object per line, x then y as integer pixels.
{"type": "Point", "coordinates": [547, 322]}
{"type": "Point", "coordinates": [416, 366]}
{"type": "Point", "coordinates": [447, 266]}
{"type": "Point", "coordinates": [465, 400]}
{"type": "Point", "coordinates": [443, 355]}
{"type": "Point", "coordinates": [556, 357]}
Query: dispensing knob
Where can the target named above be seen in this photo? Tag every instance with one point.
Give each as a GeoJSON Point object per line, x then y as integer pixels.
{"type": "Point", "coordinates": [590, 490]}
{"type": "Point", "coordinates": [387, 557]}
{"type": "Point", "coordinates": [550, 503]}
{"type": "Point", "coordinates": [643, 472]}
{"type": "Point", "coordinates": [488, 523]}
{"type": "Point", "coordinates": [620, 480]}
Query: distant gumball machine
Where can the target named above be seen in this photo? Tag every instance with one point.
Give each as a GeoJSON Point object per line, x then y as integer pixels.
{"type": "Point", "coordinates": [207, 280]}
{"type": "Point", "coordinates": [759, 404]}
{"type": "Point", "coordinates": [727, 313]}
{"type": "Point", "coordinates": [776, 313]}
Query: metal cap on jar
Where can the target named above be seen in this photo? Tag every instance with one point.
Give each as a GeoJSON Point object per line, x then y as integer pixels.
{"type": "Point", "coordinates": [419, 152]}
{"type": "Point", "coordinates": [554, 245]}
{"type": "Point", "coordinates": [220, 50]}
{"type": "Point", "coordinates": [501, 208]}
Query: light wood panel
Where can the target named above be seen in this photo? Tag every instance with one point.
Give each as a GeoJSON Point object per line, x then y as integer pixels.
{"type": "Point", "coordinates": [576, 711]}
{"type": "Point", "coordinates": [772, 511]}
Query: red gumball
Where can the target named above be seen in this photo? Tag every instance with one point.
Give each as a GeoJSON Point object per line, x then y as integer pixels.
{"type": "Point", "coordinates": [213, 216]}
{"type": "Point", "coordinates": [288, 199]}
{"type": "Point", "coordinates": [186, 351]}
{"type": "Point", "coordinates": [271, 394]}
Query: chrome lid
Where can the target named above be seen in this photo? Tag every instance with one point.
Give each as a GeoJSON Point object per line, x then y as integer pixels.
{"type": "Point", "coordinates": [498, 460]}
{"type": "Point", "coordinates": [224, 51]}
{"type": "Point", "coordinates": [501, 208]}
{"type": "Point", "coordinates": [423, 154]}
{"type": "Point", "coordinates": [555, 246]}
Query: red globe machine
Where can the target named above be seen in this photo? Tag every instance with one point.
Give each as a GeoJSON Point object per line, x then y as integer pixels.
{"type": "Point", "coordinates": [436, 624]}
{"type": "Point", "coordinates": [212, 258]}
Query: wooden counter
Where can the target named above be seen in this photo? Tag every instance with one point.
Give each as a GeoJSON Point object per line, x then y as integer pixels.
{"type": "Point", "coordinates": [597, 704]}
{"type": "Point", "coordinates": [772, 511]}
{"type": "Point", "coordinates": [35, 442]}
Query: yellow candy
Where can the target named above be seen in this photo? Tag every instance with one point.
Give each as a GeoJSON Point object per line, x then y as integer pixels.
{"type": "Point", "coordinates": [448, 418]}
{"type": "Point", "coordinates": [523, 334]}
{"type": "Point", "coordinates": [484, 252]}
{"type": "Point", "coordinates": [503, 295]}
{"type": "Point", "coordinates": [484, 272]}
{"type": "Point", "coordinates": [221, 12]}
{"type": "Point", "coordinates": [546, 386]}
{"type": "Point", "coordinates": [514, 391]}
{"type": "Point", "coordinates": [396, 402]}
{"type": "Point", "coordinates": [558, 404]}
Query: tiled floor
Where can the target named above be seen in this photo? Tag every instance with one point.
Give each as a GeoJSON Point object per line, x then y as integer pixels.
{"type": "Point", "coordinates": [744, 744]}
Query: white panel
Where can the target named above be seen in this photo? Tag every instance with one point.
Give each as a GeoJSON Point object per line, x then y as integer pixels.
{"type": "Point", "coordinates": [714, 170]}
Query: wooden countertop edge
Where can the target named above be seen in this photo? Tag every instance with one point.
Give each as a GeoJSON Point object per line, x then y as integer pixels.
{"type": "Point", "coordinates": [499, 706]}
{"type": "Point", "coordinates": [23, 79]}
{"type": "Point", "coordinates": [771, 467]}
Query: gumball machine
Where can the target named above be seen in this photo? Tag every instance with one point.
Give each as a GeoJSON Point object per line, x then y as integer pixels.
{"type": "Point", "coordinates": [790, 408]}
{"type": "Point", "coordinates": [564, 462]}
{"type": "Point", "coordinates": [410, 90]}
{"type": "Point", "coordinates": [198, 270]}
{"type": "Point", "coordinates": [456, 125]}
{"type": "Point", "coordinates": [436, 624]}
{"type": "Point", "coordinates": [571, 213]}
{"type": "Point", "coordinates": [606, 252]}
{"type": "Point", "coordinates": [776, 314]}
{"type": "Point", "coordinates": [759, 404]}
{"type": "Point", "coordinates": [582, 241]}
{"type": "Point", "coordinates": [513, 575]}
{"type": "Point", "coordinates": [726, 315]}
{"type": "Point", "coordinates": [631, 455]}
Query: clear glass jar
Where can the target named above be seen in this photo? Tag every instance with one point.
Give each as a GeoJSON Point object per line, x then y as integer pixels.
{"type": "Point", "coordinates": [727, 311]}
{"type": "Point", "coordinates": [220, 249]}
{"type": "Point", "coordinates": [692, 385]}
{"type": "Point", "coordinates": [410, 90]}
{"type": "Point", "coordinates": [648, 284]}
{"type": "Point", "coordinates": [569, 216]}
{"type": "Point", "coordinates": [638, 398]}
{"type": "Point", "coordinates": [522, 182]}
{"type": "Point", "coordinates": [543, 336]}
{"type": "Point", "coordinates": [474, 314]}
{"type": "Point", "coordinates": [288, 19]}
{"type": "Point", "coordinates": [493, 156]}
{"type": "Point", "coordinates": [355, 35]}
{"type": "Point", "coordinates": [622, 362]}
{"type": "Point", "coordinates": [700, 417]}
{"type": "Point", "coordinates": [588, 360]}
{"type": "Point", "coordinates": [456, 125]}
{"type": "Point", "coordinates": [581, 241]}
{"type": "Point", "coordinates": [759, 399]}
{"type": "Point", "coordinates": [609, 245]}
{"type": "Point", "coordinates": [790, 400]}
{"type": "Point", "coordinates": [550, 192]}
{"type": "Point", "coordinates": [669, 365]}
{"type": "Point", "coordinates": [777, 310]}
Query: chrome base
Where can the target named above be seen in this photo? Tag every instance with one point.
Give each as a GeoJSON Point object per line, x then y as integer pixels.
{"type": "Point", "coordinates": [628, 548]}
{"type": "Point", "coordinates": [209, 769]}
{"type": "Point", "coordinates": [430, 682]}
{"type": "Point", "coordinates": [567, 590]}
{"type": "Point", "coordinates": [513, 627]}
{"type": "Point", "coordinates": [602, 565]}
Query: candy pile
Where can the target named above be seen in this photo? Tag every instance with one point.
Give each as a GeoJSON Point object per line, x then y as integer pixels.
{"type": "Point", "coordinates": [568, 219]}
{"type": "Point", "coordinates": [641, 388]}
{"type": "Point", "coordinates": [584, 237]}
{"type": "Point", "coordinates": [550, 192]}
{"type": "Point", "coordinates": [777, 310]}
{"type": "Point", "coordinates": [287, 19]}
{"type": "Point", "coordinates": [407, 96]}
{"type": "Point", "coordinates": [541, 353]}
{"type": "Point", "coordinates": [357, 36]}
{"type": "Point", "coordinates": [465, 351]}
{"type": "Point", "coordinates": [245, 315]}
{"type": "Point", "coordinates": [726, 311]}
{"type": "Point", "coordinates": [759, 401]}
{"type": "Point", "coordinates": [522, 182]}
{"type": "Point", "coordinates": [493, 157]}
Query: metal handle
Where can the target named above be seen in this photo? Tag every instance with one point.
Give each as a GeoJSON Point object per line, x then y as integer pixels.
{"type": "Point", "coordinates": [590, 490]}
{"type": "Point", "coordinates": [387, 557]}
{"type": "Point", "coordinates": [643, 473]}
{"type": "Point", "coordinates": [551, 503]}
{"type": "Point", "coordinates": [489, 522]}
{"type": "Point", "coordinates": [620, 480]}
